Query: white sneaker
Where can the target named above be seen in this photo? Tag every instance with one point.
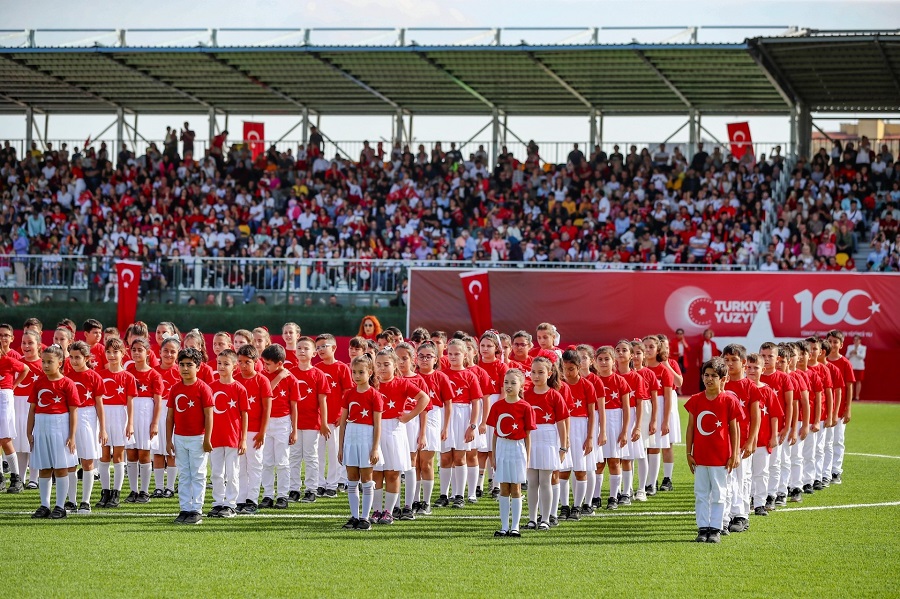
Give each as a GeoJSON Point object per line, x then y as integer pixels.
{"type": "Point", "coordinates": [640, 496]}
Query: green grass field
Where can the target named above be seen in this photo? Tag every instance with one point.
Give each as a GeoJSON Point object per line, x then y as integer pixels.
{"type": "Point", "coordinates": [839, 542]}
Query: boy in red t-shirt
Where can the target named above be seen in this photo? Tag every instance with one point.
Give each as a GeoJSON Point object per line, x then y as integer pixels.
{"type": "Point", "coordinates": [338, 378]}
{"type": "Point", "coordinates": [259, 400]}
{"type": "Point", "coordinates": [189, 428]}
{"type": "Point", "coordinates": [835, 341]}
{"type": "Point", "coordinates": [783, 385]}
{"type": "Point", "coordinates": [312, 421]}
{"type": "Point", "coordinates": [229, 438]}
{"type": "Point", "coordinates": [712, 447]}
{"type": "Point", "coordinates": [282, 432]}
{"type": "Point", "coordinates": [740, 479]}
{"type": "Point", "coordinates": [767, 439]}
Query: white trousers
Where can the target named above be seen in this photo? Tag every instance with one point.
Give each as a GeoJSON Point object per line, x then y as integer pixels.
{"type": "Point", "coordinates": [809, 458]}
{"type": "Point", "coordinates": [759, 486]}
{"type": "Point", "coordinates": [839, 431]}
{"type": "Point", "coordinates": [250, 472]}
{"type": "Point", "coordinates": [330, 471]}
{"type": "Point", "coordinates": [828, 454]}
{"type": "Point", "coordinates": [709, 495]}
{"type": "Point", "coordinates": [277, 457]}
{"type": "Point", "coordinates": [796, 478]}
{"type": "Point", "coordinates": [820, 450]}
{"type": "Point", "coordinates": [191, 461]}
{"type": "Point", "coordinates": [306, 449]}
{"type": "Point", "coordinates": [225, 467]}
{"type": "Point", "coordinates": [741, 479]}
{"type": "Point", "coordinates": [779, 467]}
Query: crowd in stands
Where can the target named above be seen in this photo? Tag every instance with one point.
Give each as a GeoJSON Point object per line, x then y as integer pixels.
{"type": "Point", "coordinates": [653, 207]}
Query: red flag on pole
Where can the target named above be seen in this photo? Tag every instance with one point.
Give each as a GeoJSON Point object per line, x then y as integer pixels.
{"type": "Point", "coordinates": [739, 136]}
{"type": "Point", "coordinates": [128, 275]}
{"type": "Point", "coordinates": [477, 290]}
{"type": "Point", "coordinates": [254, 136]}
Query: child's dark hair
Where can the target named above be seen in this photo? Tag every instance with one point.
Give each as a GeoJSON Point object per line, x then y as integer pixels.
{"type": "Point", "coordinates": [170, 341]}
{"type": "Point", "coordinates": [307, 339]}
{"type": "Point", "coordinates": [553, 379]}
{"type": "Point", "coordinates": [192, 354]}
{"type": "Point", "coordinates": [328, 337]}
{"type": "Point", "coordinates": [228, 353]}
{"type": "Point", "coordinates": [116, 344]}
{"type": "Point", "coordinates": [274, 353]}
{"type": "Point", "coordinates": [80, 347]}
{"type": "Point", "coordinates": [767, 345]}
{"type": "Point", "coordinates": [55, 350]}
{"type": "Point", "coordinates": [801, 346]}
{"type": "Point", "coordinates": [735, 349]}
{"type": "Point", "coordinates": [717, 364]}
{"type": "Point", "coordinates": [754, 359]}
{"type": "Point", "coordinates": [419, 335]}
{"type": "Point", "coordinates": [91, 324]}
{"type": "Point", "coordinates": [439, 335]}
{"type": "Point", "coordinates": [428, 345]}
{"type": "Point", "coordinates": [365, 360]}
{"type": "Point", "coordinates": [359, 342]}
{"type": "Point", "coordinates": [570, 356]}
{"type": "Point", "coordinates": [142, 342]}
{"type": "Point", "coordinates": [836, 333]}
{"type": "Point", "coordinates": [69, 324]}
{"type": "Point", "coordinates": [248, 351]}
{"type": "Point", "coordinates": [520, 376]}
{"type": "Point", "coordinates": [33, 322]}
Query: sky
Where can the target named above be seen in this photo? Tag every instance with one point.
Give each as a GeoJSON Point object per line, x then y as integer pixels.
{"type": "Point", "coordinates": [818, 14]}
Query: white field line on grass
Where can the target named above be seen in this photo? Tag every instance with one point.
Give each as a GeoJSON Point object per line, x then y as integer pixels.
{"type": "Point", "coordinates": [875, 455]}
{"type": "Point", "coordinates": [106, 514]}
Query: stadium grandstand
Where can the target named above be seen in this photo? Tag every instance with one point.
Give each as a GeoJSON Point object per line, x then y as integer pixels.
{"type": "Point", "coordinates": [317, 215]}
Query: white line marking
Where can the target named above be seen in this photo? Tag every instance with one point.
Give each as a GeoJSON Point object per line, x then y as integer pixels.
{"type": "Point", "coordinates": [461, 516]}
{"type": "Point", "coordinates": [875, 455]}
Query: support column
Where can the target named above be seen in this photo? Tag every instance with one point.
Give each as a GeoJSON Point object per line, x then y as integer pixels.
{"type": "Point", "coordinates": [804, 130]}
{"type": "Point", "coordinates": [29, 128]}
{"type": "Point", "coordinates": [304, 133]}
{"type": "Point", "coordinates": [495, 137]}
{"type": "Point", "coordinates": [120, 133]}
{"type": "Point", "coordinates": [409, 131]}
{"type": "Point", "coordinates": [212, 126]}
{"type": "Point", "coordinates": [693, 133]}
{"type": "Point", "coordinates": [505, 129]}
{"type": "Point", "coordinates": [398, 128]}
{"type": "Point", "coordinates": [600, 129]}
{"type": "Point", "coordinates": [792, 143]}
{"type": "Point", "coordinates": [592, 135]}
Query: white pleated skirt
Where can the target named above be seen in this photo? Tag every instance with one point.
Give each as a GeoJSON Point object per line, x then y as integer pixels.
{"type": "Point", "coordinates": [394, 446]}
{"type": "Point", "coordinates": [613, 429]}
{"type": "Point", "coordinates": [50, 434]}
{"type": "Point", "coordinates": [460, 415]}
{"type": "Point", "coordinates": [358, 445]}
{"type": "Point", "coordinates": [87, 434]}
{"type": "Point", "coordinates": [163, 435]}
{"type": "Point", "coordinates": [116, 421]}
{"type": "Point", "coordinates": [483, 442]}
{"type": "Point", "coordinates": [578, 432]}
{"type": "Point", "coordinates": [7, 414]}
{"type": "Point", "coordinates": [412, 434]}
{"type": "Point", "coordinates": [646, 412]}
{"type": "Point", "coordinates": [434, 422]}
{"type": "Point", "coordinates": [143, 418]}
{"type": "Point", "coordinates": [633, 450]}
{"type": "Point", "coordinates": [21, 417]}
{"type": "Point", "coordinates": [658, 440]}
{"type": "Point", "coordinates": [510, 461]}
{"type": "Point", "coordinates": [675, 422]}
{"type": "Point", "coordinates": [597, 456]}
{"type": "Point", "coordinates": [545, 448]}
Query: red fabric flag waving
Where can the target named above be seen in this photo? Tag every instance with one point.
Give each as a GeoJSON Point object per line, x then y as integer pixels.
{"type": "Point", "coordinates": [129, 281]}
{"type": "Point", "coordinates": [739, 136]}
{"type": "Point", "coordinates": [476, 288]}
{"type": "Point", "coordinates": [254, 136]}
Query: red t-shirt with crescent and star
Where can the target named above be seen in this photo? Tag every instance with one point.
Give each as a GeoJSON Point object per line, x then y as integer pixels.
{"type": "Point", "coordinates": [188, 403]}
{"type": "Point", "coordinates": [712, 441]}
{"type": "Point", "coordinates": [616, 389]}
{"type": "Point", "coordinates": [496, 371]}
{"type": "Point", "coordinates": [465, 386]}
{"type": "Point", "coordinates": [229, 401]}
{"type": "Point", "coordinates": [10, 370]}
{"type": "Point", "coordinates": [747, 393]}
{"type": "Point", "coordinates": [781, 383]}
{"type": "Point", "coordinates": [258, 388]}
{"type": "Point", "coordinates": [310, 385]}
{"type": "Point", "coordinates": [149, 383]}
{"type": "Point", "coordinates": [581, 394]}
{"type": "Point", "coordinates": [117, 387]}
{"type": "Point", "coordinates": [282, 394]}
{"type": "Point", "coordinates": [53, 397]}
{"type": "Point", "coordinates": [361, 407]}
{"type": "Point", "coordinates": [396, 393]}
{"type": "Point", "coordinates": [549, 407]}
{"type": "Point", "coordinates": [337, 375]}
{"type": "Point", "coordinates": [37, 373]}
{"type": "Point", "coordinates": [89, 385]}
{"type": "Point", "coordinates": [438, 389]}
{"type": "Point", "coordinates": [769, 407]}
{"type": "Point", "coordinates": [520, 415]}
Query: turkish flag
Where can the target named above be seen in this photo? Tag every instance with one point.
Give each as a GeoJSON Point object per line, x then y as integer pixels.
{"type": "Point", "coordinates": [128, 275]}
{"type": "Point", "coordinates": [739, 136]}
{"type": "Point", "coordinates": [254, 135]}
{"type": "Point", "coordinates": [476, 288]}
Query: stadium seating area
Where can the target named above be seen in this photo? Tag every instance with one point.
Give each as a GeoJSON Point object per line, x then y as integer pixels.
{"type": "Point", "coordinates": [653, 206]}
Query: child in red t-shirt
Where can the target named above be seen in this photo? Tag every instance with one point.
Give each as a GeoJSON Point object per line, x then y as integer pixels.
{"type": "Point", "coordinates": [767, 439]}
{"type": "Point", "coordinates": [712, 447]}
{"type": "Point", "coordinates": [229, 438]}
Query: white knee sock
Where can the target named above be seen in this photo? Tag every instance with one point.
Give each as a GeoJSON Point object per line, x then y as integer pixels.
{"type": "Point", "coordinates": [104, 476]}
{"type": "Point", "coordinates": [410, 487]}
{"type": "Point", "coordinates": [87, 486]}
{"type": "Point", "coordinates": [62, 490]}
{"type": "Point", "coordinates": [171, 475]}
{"type": "Point", "coordinates": [368, 490]}
{"type": "Point", "coordinates": [445, 474]}
{"type": "Point", "coordinates": [459, 480]}
{"type": "Point", "coordinates": [545, 492]}
{"type": "Point", "coordinates": [13, 462]}
{"type": "Point", "coordinates": [377, 496]}
{"type": "Point", "coordinates": [533, 477]}
{"type": "Point", "coordinates": [591, 480]}
{"type": "Point", "coordinates": [44, 484]}
{"type": "Point", "coordinates": [472, 479]}
{"type": "Point", "coordinates": [22, 459]}
{"type": "Point", "coordinates": [353, 497]}
{"type": "Point", "coordinates": [390, 501]}
{"type": "Point", "coordinates": [628, 480]}
{"type": "Point", "coordinates": [668, 467]}
{"type": "Point", "coordinates": [653, 468]}
{"type": "Point", "coordinates": [516, 506]}
{"type": "Point", "coordinates": [144, 470]}
{"type": "Point", "coordinates": [132, 469]}
{"type": "Point", "coordinates": [427, 490]}
{"type": "Point", "coordinates": [598, 485]}
{"type": "Point", "coordinates": [564, 492]}
{"type": "Point", "coordinates": [554, 501]}
{"type": "Point", "coordinates": [614, 481]}
{"type": "Point", "coordinates": [159, 478]}
{"type": "Point", "coordinates": [118, 475]}
{"type": "Point", "coordinates": [643, 473]}
{"type": "Point", "coordinates": [504, 513]}
{"type": "Point", "coordinates": [580, 489]}
{"type": "Point", "coordinates": [73, 487]}
{"type": "Point", "coordinates": [481, 477]}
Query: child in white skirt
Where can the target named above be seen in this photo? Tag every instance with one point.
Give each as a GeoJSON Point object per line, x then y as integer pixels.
{"type": "Point", "coordinates": [511, 421]}
{"type": "Point", "coordinates": [119, 389]}
{"type": "Point", "coordinates": [437, 419]}
{"type": "Point", "coordinates": [649, 418]}
{"type": "Point", "coordinates": [52, 423]}
{"type": "Point", "coordinates": [549, 442]}
{"type": "Point", "coordinates": [582, 419]}
{"type": "Point", "coordinates": [164, 470]}
{"type": "Point", "coordinates": [31, 356]}
{"type": "Point", "coordinates": [618, 416]}
{"type": "Point", "coordinates": [490, 351]}
{"type": "Point", "coordinates": [91, 433]}
{"type": "Point", "coordinates": [634, 448]}
{"type": "Point", "coordinates": [359, 439]}
{"type": "Point", "coordinates": [415, 428]}
{"type": "Point", "coordinates": [588, 371]}
{"type": "Point", "coordinates": [147, 409]}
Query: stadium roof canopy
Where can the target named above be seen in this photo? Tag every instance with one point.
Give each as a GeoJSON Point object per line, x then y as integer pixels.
{"type": "Point", "coordinates": [824, 71]}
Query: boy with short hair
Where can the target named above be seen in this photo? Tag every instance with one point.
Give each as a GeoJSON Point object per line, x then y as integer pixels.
{"type": "Point", "coordinates": [835, 341]}
{"type": "Point", "coordinates": [767, 439]}
{"type": "Point", "coordinates": [712, 447]}
{"type": "Point", "coordinates": [799, 426]}
{"type": "Point", "coordinates": [312, 421]}
{"type": "Point", "coordinates": [282, 431]}
{"type": "Point", "coordinates": [816, 389]}
{"type": "Point", "coordinates": [259, 402]}
{"type": "Point", "coordinates": [189, 428]}
{"type": "Point", "coordinates": [826, 402]}
{"type": "Point", "coordinates": [93, 336]}
{"type": "Point", "coordinates": [229, 438]}
{"type": "Point", "coordinates": [337, 375]}
{"type": "Point", "coordinates": [783, 385]}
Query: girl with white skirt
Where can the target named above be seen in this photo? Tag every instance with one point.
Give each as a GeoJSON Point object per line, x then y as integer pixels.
{"type": "Point", "coordinates": [477, 460]}
{"type": "Point", "coordinates": [618, 419]}
{"type": "Point", "coordinates": [359, 439]}
{"type": "Point", "coordinates": [512, 420]}
{"type": "Point", "coordinates": [661, 441]}
{"type": "Point", "coordinates": [394, 443]}
{"type": "Point", "coordinates": [416, 428]}
{"type": "Point", "coordinates": [549, 442]}
{"type": "Point", "coordinates": [437, 419]}
{"type": "Point", "coordinates": [12, 373]}
{"type": "Point", "coordinates": [119, 389]}
{"type": "Point", "coordinates": [675, 435]}
{"type": "Point", "coordinates": [594, 475]}
{"type": "Point", "coordinates": [582, 417]}
{"type": "Point", "coordinates": [490, 350]}
{"type": "Point", "coordinates": [147, 407]}
{"type": "Point", "coordinates": [90, 435]}
{"type": "Point", "coordinates": [31, 356]}
{"type": "Point", "coordinates": [649, 418]}
{"type": "Point", "coordinates": [634, 448]}
{"type": "Point", "coordinates": [52, 424]}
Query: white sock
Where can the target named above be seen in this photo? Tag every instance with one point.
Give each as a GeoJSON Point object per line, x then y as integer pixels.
{"type": "Point", "coordinates": [377, 496]}
{"type": "Point", "coordinates": [132, 469]}
{"type": "Point", "coordinates": [159, 478]}
{"type": "Point", "coordinates": [411, 484]}
{"type": "Point", "coordinates": [368, 490]}
{"type": "Point", "coordinates": [653, 468]}
{"type": "Point", "coordinates": [668, 467]}
{"type": "Point", "coordinates": [481, 477]}
{"type": "Point", "coordinates": [533, 477]}
{"type": "Point", "coordinates": [22, 459]}
{"type": "Point", "coordinates": [554, 502]}
{"type": "Point", "coordinates": [417, 494]}
{"type": "Point", "coordinates": [459, 480]}
{"type": "Point", "coordinates": [44, 484]}
{"type": "Point", "coordinates": [504, 513]}
{"type": "Point", "coordinates": [564, 492]}
{"type": "Point", "coordinates": [171, 475]}
{"type": "Point", "coordinates": [104, 476]}
{"type": "Point", "coordinates": [545, 492]}
{"type": "Point", "coordinates": [589, 486]}
{"type": "Point", "coordinates": [390, 501]}
{"type": "Point", "coordinates": [614, 482]}
{"type": "Point", "coordinates": [118, 475]}
{"type": "Point", "coordinates": [73, 487]}
{"type": "Point", "coordinates": [445, 474]}
{"type": "Point", "coordinates": [62, 490]}
{"type": "Point", "coordinates": [144, 470]}
{"type": "Point", "coordinates": [628, 480]}
{"type": "Point", "coordinates": [643, 473]}
{"type": "Point", "coordinates": [13, 462]}
{"type": "Point", "coordinates": [33, 473]}
{"type": "Point", "coordinates": [516, 505]}
{"type": "Point", "coordinates": [427, 490]}
{"type": "Point", "coordinates": [472, 479]}
{"type": "Point", "coordinates": [353, 497]}
{"type": "Point", "coordinates": [598, 485]}
{"type": "Point", "coordinates": [87, 486]}
{"type": "Point", "coordinates": [580, 490]}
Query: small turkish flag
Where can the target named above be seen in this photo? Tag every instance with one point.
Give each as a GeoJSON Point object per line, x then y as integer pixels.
{"type": "Point", "coordinates": [739, 136]}
{"type": "Point", "coordinates": [476, 288]}
{"type": "Point", "coordinates": [128, 275]}
{"type": "Point", "coordinates": [254, 136]}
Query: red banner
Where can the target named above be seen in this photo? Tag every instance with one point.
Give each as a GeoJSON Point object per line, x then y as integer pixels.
{"type": "Point", "coordinates": [128, 275]}
{"type": "Point", "coordinates": [600, 307]}
{"type": "Point", "coordinates": [739, 136]}
{"type": "Point", "coordinates": [254, 136]}
{"type": "Point", "coordinates": [476, 288]}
